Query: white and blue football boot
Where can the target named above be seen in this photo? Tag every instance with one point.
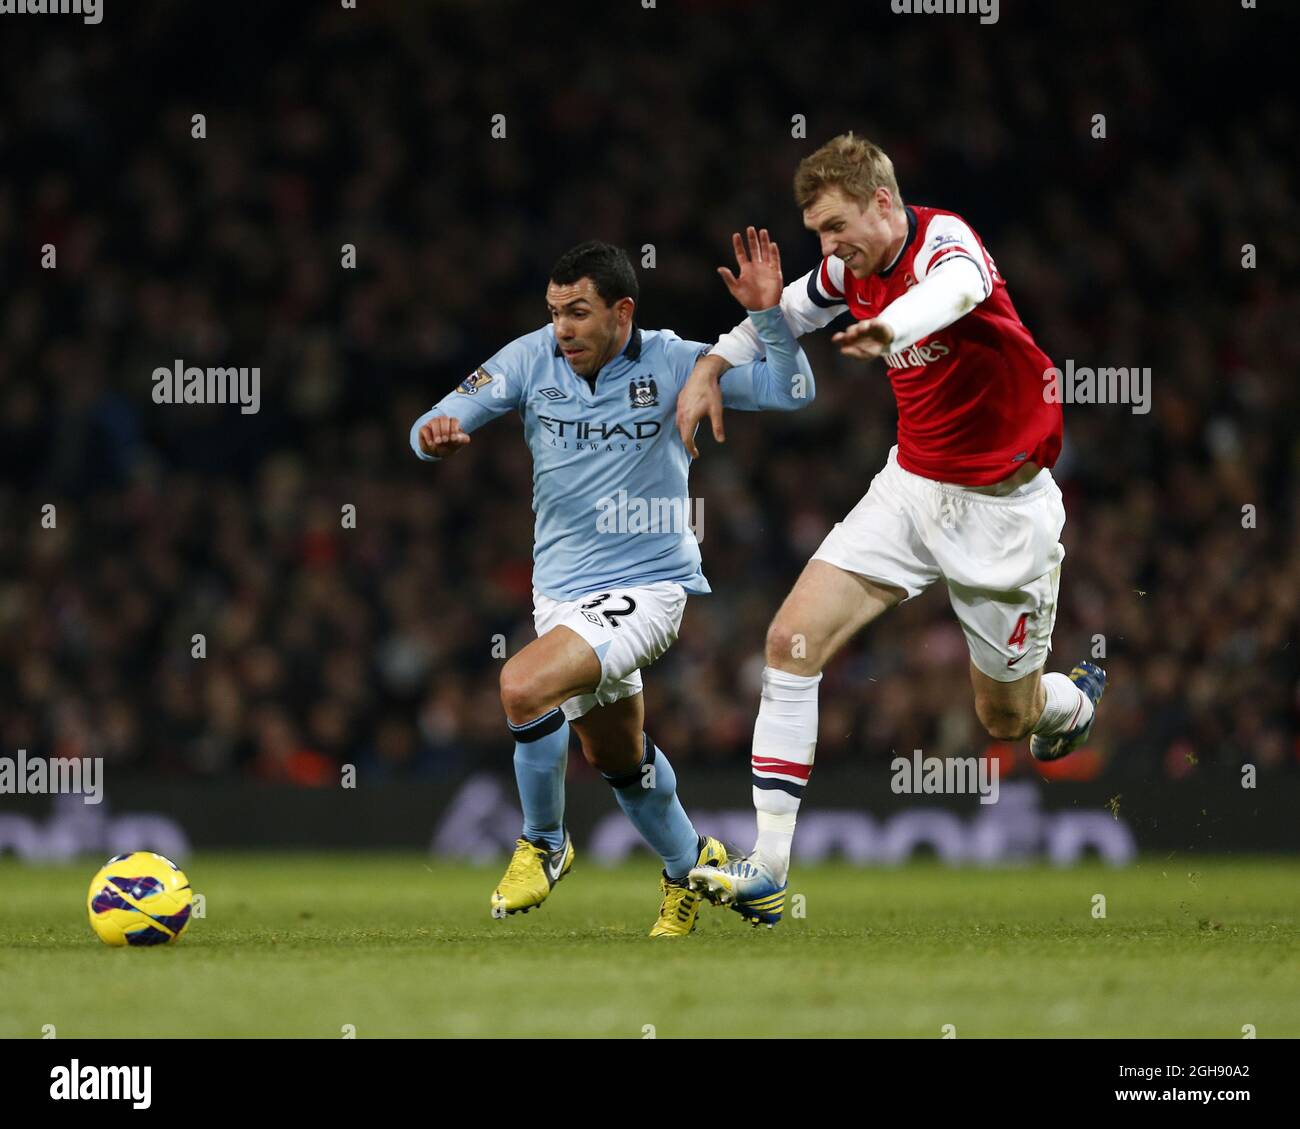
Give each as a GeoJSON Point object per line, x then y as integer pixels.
{"type": "Point", "coordinates": [1091, 679]}
{"type": "Point", "coordinates": [746, 885]}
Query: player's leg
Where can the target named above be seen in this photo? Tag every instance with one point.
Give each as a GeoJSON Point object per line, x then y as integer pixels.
{"type": "Point", "coordinates": [1007, 633]}
{"type": "Point", "coordinates": [644, 783]}
{"type": "Point", "coordinates": [1007, 710]}
{"type": "Point", "coordinates": [869, 562]}
{"type": "Point", "coordinates": [632, 628]}
{"type": "Point", "coordinates": [534, 683]}
{"type": "Point", "coordinates": [551, 669]}
{"type": "Point", "coordinates": [1001, 555]}
{"type": "Point", "coordinates": [826, 607]}
{"type": "Point", "coordinates": [612, 737]}
{"type": "Point", "coordinates": [1055, 711]}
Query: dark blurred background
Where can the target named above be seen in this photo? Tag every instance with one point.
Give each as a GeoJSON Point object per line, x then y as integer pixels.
{"type": "Point", "coordinates": [669, 127]}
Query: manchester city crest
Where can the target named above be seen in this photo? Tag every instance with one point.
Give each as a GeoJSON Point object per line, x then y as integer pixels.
{"type": "Point", "coordinates": [643, 393]}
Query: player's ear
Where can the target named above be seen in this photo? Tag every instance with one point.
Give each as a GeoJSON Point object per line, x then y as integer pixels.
{"type": "Point", "coordinates": [625, 308]}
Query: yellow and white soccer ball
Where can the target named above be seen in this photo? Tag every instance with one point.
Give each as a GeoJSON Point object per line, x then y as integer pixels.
{"type": "Point", "coordinates": [139, 899]}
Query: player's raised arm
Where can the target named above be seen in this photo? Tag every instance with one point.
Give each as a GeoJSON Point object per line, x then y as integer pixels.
{"type": "Point", "coordinates": [808, 303]}
{"type": "Point", "coordinates": [784, 381]}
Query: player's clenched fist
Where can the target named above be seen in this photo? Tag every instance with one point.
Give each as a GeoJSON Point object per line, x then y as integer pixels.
{"type": "Point", "coordinates": [442, 436]}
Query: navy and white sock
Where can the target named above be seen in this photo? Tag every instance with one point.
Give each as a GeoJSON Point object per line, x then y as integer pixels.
{"type": "Point", "coordinates": [785, 740]}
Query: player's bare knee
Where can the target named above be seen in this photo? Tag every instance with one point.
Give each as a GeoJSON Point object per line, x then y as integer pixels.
{"type": "Point", "coordinates": [791, 650]}
{"type": "Point", "coordinates": [523, 697]}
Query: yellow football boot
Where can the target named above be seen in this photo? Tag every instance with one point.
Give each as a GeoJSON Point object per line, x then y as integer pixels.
{"type": "Point", "coordinates": [533, 872]}
{"type": "Point", "coordinates": [681, 905]}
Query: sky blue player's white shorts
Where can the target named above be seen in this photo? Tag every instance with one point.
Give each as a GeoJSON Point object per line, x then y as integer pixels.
{"type": "Point", "coordinates": [628, 628]}
{"type": "Point", "coordinates": [999, 555]}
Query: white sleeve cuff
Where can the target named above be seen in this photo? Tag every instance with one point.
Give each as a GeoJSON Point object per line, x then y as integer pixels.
{"type": "Point", "coordinates": [740, 346]}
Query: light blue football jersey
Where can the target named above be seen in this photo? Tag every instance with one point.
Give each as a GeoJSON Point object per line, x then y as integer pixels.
{"type": "Point", "coordinates": [609, 468]}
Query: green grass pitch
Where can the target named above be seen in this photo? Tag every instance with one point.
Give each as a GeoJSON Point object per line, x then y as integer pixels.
{"type": "Point", "coordinates": [396, 945]}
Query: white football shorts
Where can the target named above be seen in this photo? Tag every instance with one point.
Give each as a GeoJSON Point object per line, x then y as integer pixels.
{"type": "Point", "coordinates": [628, 628]}
{"type": "Point", "coordinates": [1000, 556]}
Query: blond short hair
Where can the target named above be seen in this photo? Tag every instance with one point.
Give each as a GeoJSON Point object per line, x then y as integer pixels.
{"type": "Point", "coordinates": [853, 164]}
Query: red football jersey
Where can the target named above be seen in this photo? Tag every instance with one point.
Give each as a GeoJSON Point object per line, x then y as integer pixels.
{"type": "Point", "coordinates": [971, 403]}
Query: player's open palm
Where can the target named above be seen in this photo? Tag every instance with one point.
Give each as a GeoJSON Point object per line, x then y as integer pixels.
{"type": "Point", "coordinates": [442, 436]}
{"type": "Point", "coordinates": [759, 285]}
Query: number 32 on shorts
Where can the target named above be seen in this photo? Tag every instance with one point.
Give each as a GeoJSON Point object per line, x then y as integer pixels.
{"type": "Point", "coordinates": [612, 615]}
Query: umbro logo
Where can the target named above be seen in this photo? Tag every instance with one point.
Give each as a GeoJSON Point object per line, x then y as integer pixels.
{"type": "Point", "coordinates": [552, 393]}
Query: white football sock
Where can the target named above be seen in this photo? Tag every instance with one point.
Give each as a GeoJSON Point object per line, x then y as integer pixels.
{"type": "Point", "coordinates": [775, 836]}
{"type": "Point", "coordinates": [785, 739]}
{"type": "Point", "coordinates": [1067, 706]}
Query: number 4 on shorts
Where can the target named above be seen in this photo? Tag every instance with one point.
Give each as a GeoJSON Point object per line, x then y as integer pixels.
{"type": "Point", "coordinates": [1017, 637]}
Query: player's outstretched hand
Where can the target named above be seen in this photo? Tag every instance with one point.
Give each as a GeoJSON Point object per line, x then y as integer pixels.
{"type": "Point", "coordinates": [442, 436]}
{"type": "Point", "coordinates": [759, 284]}
{"type": "Point", "coordinates": [701, 396]}
{"type": "Point", "coordinates": [866, 340]}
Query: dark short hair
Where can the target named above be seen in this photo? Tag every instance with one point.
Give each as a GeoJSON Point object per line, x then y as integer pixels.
{"type": "Point", "coordinates": [610, 270]}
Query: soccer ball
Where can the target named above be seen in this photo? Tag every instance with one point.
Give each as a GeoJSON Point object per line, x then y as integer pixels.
{"type": "Point", "coordinates": [139, 899]}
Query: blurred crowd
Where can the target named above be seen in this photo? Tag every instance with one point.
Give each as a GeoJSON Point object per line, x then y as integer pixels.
{"type": "Point", "coordinates": [379, 645]}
